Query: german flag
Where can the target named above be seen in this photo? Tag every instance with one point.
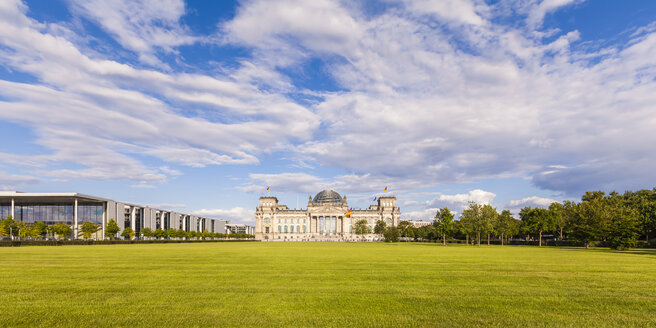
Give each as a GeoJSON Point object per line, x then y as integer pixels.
{"type": "Point", "coordinates": [384, 190]}
{"type": "Point", "coordinates": [348, 214]}
{"type": "Point", "coordinates": [267, 188]}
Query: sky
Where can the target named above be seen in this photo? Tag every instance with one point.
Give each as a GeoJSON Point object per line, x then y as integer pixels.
{"type": "Point", "coordinates": [198, 106]}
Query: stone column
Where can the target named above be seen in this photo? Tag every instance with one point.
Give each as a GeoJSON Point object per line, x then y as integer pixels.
{"type": "Point", "coordinates": [75, 219]}
{"type": "Point", "coordinates": [13, 211]}
{"type": "Point", "coordinates": [104, 221]}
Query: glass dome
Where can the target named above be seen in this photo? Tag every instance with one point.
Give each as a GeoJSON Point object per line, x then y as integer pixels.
{"type": "Point", "coordinates": [327, 197]}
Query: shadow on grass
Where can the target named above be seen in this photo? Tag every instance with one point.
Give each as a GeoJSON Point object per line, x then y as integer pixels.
{"type": "Point", "coordinates": [632, 251]}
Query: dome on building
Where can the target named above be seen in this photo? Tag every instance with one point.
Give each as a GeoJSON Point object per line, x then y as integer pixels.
{"type": "Point", "coordinates": [327, 197]}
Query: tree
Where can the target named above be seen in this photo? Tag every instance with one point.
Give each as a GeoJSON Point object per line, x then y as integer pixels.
{"type": "Point", "coordinates": [444, 223]}
{"type": "Point", "coordinates": [39, 229]}
{"type": "Point", "coordinates": [127, 233]}
{"type": "Point", "coordinates": [360, 227]}
{"type": "Point", "coordinates": [466, 223]}
{"type": "Point", "coordinates": [474, 221]}
{"type": "Point", "coordinates": [505, 225]}
{"type": "Point", "coordinates": [61, 230]}
{"type": "Point", "coordinates": [160, 233]}
{"type": "Point", "coordinates": [391, 234]}
{"type": "Point", "coordinates": [379, 228]}
{"type": "Point", "coordinates": [489, 216]}
{"type": "Point", "coordinates": [406, 229]}
{"type": "Point", "coordinates": [10, 226]}
{"type": "Point", "coordinates": [88, 229]}
{"type": "Point", "coordinates": [147, 232]}
{"type": "Point", "coordinates": [3, 232]}
{"type": "Point", "coordinates": [111, 229]}
{"type": "Point", "coordinates": [24, 230]}
{"type": "Point", "coordinates": [536, 221]}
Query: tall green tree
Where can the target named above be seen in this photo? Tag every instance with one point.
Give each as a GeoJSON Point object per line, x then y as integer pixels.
{"type": "Point", "coordinates": [443, 223]}
{"type": "Point", "coordinates": [88, 229]}
{"type": "Point", "coordinates": [391, 234]}
{"type": "Point", "coordinates": [505, 225]}
{"type": "Point", "coordinates": [111, 229]}
{"type": "Point", "coordinates": [406, 229]}
{"type": "Point", "coordinates": [360, 227]}
{"type": "Point", "coordinates": [537, 221]}
{"type": "Point", "coordinates": [488, 219]}
{"type": "Point", "coordinates": [379, 228]}
{"type": "Point", "coordinates": [473, 219]}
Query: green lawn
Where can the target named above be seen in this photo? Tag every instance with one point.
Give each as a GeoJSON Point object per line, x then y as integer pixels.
{"type": "Point", "coordinates": [325, 284]}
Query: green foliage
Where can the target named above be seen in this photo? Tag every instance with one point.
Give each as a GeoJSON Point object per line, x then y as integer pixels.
{"type": "Point", "coordinates": [360, 227]}
{"type": "Point", "coordinates": [3, 232]}
{"type": "Point", "coordinates": [536, 221]}
{"type": "Point", "coordinates": [406, 229]}
{"type": "Point", "coordinates": [160, 233]}
{"type": "Point", "coordinates": [379, 228]}
{"type": "Point", "coordinates": [39, 229]}
{"type": "Point", "coordinates": [147, 232]}
{"type": "Point", "coordinates": [443, 223]}
{"type": "Point", "coordinates": [10, 225]}
{"type": "Point", "coordinates": [111, 229]}
{"type": "Point", "coordinates": [127, 233]}
{"type": "Point", "coordinates": [88, 229]}
{"type": "Point", "coordinates": [506, 225]}
{"type": "Point", "coordinates": [61, 230]}
{"type": "Point", "coordinates": [391, 234]}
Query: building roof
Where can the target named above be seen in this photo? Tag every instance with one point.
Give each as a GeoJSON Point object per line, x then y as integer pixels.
{"type": "Point", "coordinates": [327, 197]}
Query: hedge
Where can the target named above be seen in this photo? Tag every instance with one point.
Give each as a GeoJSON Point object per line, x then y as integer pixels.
{"type": "Point", "coordinates": [16, 243]}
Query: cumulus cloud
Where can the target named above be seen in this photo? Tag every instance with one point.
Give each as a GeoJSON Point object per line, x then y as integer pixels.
{"type": "Point", "coordinates": [428, 92]}
{"type": "Point", "coordinates": [234, 215]}
{"type": "Point", "coordinates": [531, 201]}
{"type": "Point", "coordinates": [103, 114]}
{"type": "Point", "coordinates": [499, 101]}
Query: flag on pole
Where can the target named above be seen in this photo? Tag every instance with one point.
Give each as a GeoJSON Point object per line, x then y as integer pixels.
{"type": "Point", "coordinates": [267, 188]}
{"type": "Point", "coordinates": [385, 189]}
{"type": "Point", "coordinates": [375, 199]}
{"type": "Point", "coordinates": [348, 214]}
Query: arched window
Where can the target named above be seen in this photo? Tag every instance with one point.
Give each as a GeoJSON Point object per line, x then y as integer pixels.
{"type": "Point", "coordinates": [279, 229]}
{"type": "Point", "coordinates": [291, 229]}
{"type": "Point", "coordinates": [304, 228]}
{"type": "Point", "coordinates": [298, 229]}
{"type": "Point", "coordinates": [285, 229]}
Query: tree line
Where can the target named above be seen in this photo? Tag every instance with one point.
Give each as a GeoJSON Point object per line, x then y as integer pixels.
{"type": "Point", "coordinates": [614, 220]}
{"type": "Point", "coordinates": [40, 230]}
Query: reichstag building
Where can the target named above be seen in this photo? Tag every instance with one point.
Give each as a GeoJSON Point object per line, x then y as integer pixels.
{"type": "Point", "coordinates": [324, 219]}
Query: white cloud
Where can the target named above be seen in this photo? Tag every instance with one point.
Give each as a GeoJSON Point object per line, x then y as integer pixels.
{"type": "Point", "coordinates": [234, 215]}
{"type": "Point", "coordinates": [100, 113]}
{"type": "Point", "coordinates": [477, 196]}
{"type": "Point", "coordinates": [10, 181]}
{"type": "Point", "coordinates": [141, 26]}
{"type": "Point", "coordinates": [537, 13]}
{"type": "Point", "coordinates": [531, 201]}
{"type": "Point", "coordinates": [460, 11]}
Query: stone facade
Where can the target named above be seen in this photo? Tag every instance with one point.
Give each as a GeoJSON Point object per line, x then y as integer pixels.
{"type": "Point", "coordinates": [324, 219]}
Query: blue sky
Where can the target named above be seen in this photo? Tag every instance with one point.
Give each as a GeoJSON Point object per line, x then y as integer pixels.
{"type": "Point", "coordinates": [199, 105]}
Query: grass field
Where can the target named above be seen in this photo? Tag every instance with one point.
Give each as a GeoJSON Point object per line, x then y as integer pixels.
{"type": "Point", "coordinates": [325, 284]}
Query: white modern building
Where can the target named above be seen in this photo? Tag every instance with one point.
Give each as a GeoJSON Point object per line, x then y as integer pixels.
{"type": "Point", "coordinates": [324, 219]}
{"type": "Point", "coordinates": [240, 228]}
{"type": "Point", "coordinates": [74, 209]}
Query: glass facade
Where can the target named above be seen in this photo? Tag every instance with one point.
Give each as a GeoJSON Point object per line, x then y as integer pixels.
{"type": "Point", "coordinates": [53, 213]}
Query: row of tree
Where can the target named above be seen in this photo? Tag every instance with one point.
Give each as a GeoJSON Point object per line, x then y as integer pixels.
{"type": "Point", "coordinates": [617, 220]}
{"type": "Point", "coordinates": [11, 227]}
